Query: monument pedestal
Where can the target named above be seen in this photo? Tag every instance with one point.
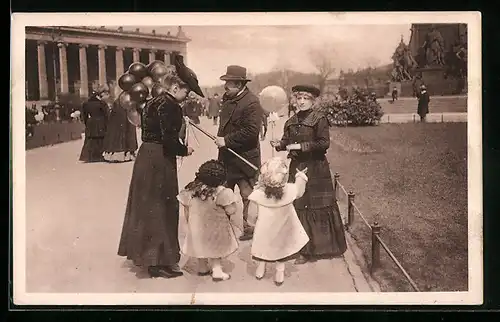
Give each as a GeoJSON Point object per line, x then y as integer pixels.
{"type": "Point", "coordinates": [437, 83]}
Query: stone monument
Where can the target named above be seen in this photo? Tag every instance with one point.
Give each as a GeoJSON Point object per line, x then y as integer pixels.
{"type": "Point", "coordinates": [440, 52]}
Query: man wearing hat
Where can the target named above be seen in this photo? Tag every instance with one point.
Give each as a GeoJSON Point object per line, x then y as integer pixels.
{"type": "Point", "coordinates": [239, 128]}
{"type": "Point", "coordinates": [95, 116]}
{"type": "Point", "coordinates": [423, 103]}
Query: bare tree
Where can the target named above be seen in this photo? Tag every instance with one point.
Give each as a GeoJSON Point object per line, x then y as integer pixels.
{"type": "Point", "coordinates": [283, 67]}
{"type": "Point", "coordinates": [324, 59]}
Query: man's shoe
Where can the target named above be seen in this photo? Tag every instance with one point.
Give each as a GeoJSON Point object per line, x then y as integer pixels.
{"type": "Point", "coordinates": [246, 236]}
{"type": "Point", "coordinates": [165, 272]}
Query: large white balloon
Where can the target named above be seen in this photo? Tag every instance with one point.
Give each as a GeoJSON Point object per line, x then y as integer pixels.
{"type": "Point", "coordinates": [273, 98]}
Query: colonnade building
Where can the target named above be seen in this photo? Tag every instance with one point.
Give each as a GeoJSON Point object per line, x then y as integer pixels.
{"type": "Point", "coordinates": [78, 59]}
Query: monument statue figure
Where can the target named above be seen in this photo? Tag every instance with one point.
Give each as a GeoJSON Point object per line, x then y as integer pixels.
{"type": "Point", "coordinates": [434, 48]}
{"type": "Point", "coordinates": [403, 63]}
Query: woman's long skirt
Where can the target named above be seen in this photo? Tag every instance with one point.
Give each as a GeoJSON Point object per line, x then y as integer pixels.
{"type": "Point", "coordinates": [120, 142]}
{"type": "Point", "coordinates": [325, 230]}
{"type": "Point", "coordinates": [150, 228]}
{"type": "Point", "coordinates": [92, 149]}
{"type": "Point", "coordinates": [318, 211]}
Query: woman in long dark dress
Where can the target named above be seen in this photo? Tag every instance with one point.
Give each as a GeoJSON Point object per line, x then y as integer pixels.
{"type": "Point", "coordinates": [306, 136]}
{"type": "Point", "coordinates": [94, 114]}
{"type": "Point", "coordinates": [149, 235]}
{"type": "Point", "coordinates": [120, 141]}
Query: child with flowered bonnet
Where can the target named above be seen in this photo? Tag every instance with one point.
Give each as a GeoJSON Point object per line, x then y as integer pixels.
{"type": "Point", "coordinates": [278, 233]}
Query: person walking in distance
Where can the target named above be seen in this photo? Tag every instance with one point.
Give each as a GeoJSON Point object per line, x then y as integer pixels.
{"type": "Point", "coordinates": [214, 108]}
{"type": "Point", "coordinates": [423, 103]}
{"type": "Point", "coordinates": [95, 118]}
{"type": "Point", "coordinates": [239, 129]}
{"type": "Point", "coordinates": [394, 94]}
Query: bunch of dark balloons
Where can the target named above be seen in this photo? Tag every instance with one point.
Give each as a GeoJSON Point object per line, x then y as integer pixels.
{"type": "Point", "coordinates": [140, 83]}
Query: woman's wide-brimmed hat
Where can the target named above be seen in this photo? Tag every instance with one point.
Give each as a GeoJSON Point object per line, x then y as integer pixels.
{"type": "Point", "coordinates": [187, 75]}
{"type": "Point", "coordinates": [314, 91]}
{"type": "Point", "coordinates": [235, 73]}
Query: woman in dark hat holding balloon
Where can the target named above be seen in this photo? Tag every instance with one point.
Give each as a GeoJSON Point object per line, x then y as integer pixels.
{"type": "Point", "coordinates": [306, 136]}
{"type": "Point", "coordinates": [149, 236]}
{"type": "Point", "coordinates": [94, 114]}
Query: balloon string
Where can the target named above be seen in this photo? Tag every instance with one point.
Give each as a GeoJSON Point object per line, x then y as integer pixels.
{"type": "Point", "coordinates": [194, 136]}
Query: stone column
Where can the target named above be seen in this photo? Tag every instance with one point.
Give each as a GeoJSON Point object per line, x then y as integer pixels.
{"type": "Point", "coordinates": [102, 64]}
{"type": "Point", "coordinates": [166, 58]}
{"type": "Point", "coordinates": [42, 72]}
{"type": "Point", "coordinates": [119, 62]}
{"type": "Point", "coordinates": [152, 55]}
{"type": "Point", "coordinates": [136, 52]}
{"type": "Point", "coordinates": [63, 67]}
{"type": "Point", "coordinates": [84, 77]}
{"type": "Point", "coordinates": [184, 54]}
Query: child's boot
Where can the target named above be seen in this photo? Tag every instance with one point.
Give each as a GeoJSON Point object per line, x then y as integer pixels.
{"type": "Point", "coordinates": [203, 267]}
{"type": "Point", "coordinates": [217, 274]}
{"type": "Point", "coordinates": [261, 270]}
{"type": "Point", "coordinates": [279, 278]}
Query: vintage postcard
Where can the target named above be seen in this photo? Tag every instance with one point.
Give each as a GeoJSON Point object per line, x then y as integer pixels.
{"type": "Point", "coordinates": [324, 158]}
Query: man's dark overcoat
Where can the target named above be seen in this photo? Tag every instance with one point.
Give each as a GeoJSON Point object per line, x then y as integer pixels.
{"type": "Point", "coordinates": [240, 122]}
{"type": "Point", "coordinates": [423, 104]}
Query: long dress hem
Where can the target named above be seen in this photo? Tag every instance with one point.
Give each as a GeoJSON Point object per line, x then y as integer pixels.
{"type": "Point", "coordinates": [325, 230]}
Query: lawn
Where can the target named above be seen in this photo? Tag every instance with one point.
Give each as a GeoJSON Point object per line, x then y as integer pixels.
{"type": "Point", "coordinates": [412, 179]}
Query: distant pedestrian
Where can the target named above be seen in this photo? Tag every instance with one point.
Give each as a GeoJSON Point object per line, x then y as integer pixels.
{"type": "Point", "coordinates": [95, 117]}
{"type": "Point", "coordinates": [394, 94]}
{"type": "Point", "coordinates": [214, 108]}
{"type": "Point", "coordinates": [423, 103]}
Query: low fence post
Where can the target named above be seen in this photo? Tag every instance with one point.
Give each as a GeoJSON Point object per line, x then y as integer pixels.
{"type": "Point", "coordinates": [375, 247]}
{"type": "Point", "coordinates": [350, 208]}
{"type": "Point", "coordinates": [336, 177]}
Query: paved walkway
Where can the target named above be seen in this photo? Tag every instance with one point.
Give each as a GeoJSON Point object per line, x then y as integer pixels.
{"type": "Point", "coordinates": [74, 216]}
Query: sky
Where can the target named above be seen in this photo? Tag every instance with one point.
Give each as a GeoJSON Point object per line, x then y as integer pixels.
{"type": "Point", "coordinates": [264, 48]}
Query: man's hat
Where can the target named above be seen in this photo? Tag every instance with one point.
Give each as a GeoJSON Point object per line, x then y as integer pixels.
{"type": "Point", "coordinates": [235, 73]}
{"type": "Point", "coordinates": [187, 75]}
{"type": "Point", "coordinates": [306, 88]}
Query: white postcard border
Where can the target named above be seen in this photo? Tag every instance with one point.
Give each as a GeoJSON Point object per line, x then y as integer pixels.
{"type": "Point", "coordinates": [473, 296]}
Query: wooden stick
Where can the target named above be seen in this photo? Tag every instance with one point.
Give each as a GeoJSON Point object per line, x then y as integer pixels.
{"type": "Point", "coordinates": [229, 149]}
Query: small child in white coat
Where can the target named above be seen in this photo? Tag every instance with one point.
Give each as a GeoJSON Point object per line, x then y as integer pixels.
{"type": "Point", "coordinates": [278, 233]}
{"type": "Point", "coordinates": [208, 208]}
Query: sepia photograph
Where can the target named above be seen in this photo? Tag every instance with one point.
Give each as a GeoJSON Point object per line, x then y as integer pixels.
{"type": "Point", "coordinates": [247, 158]}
